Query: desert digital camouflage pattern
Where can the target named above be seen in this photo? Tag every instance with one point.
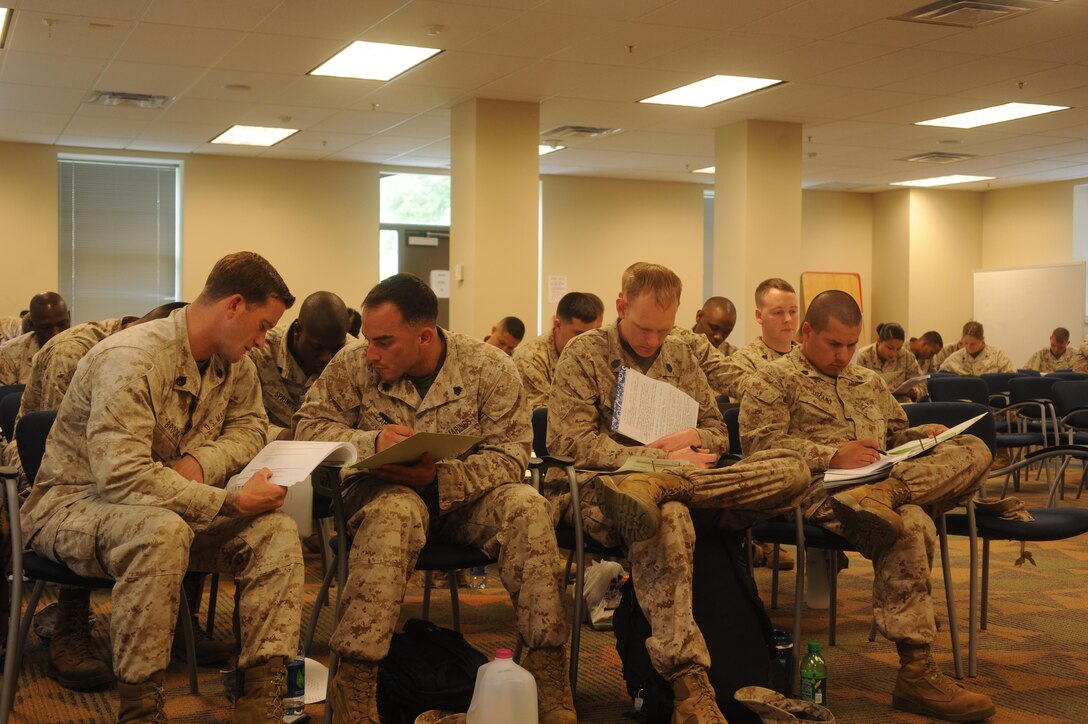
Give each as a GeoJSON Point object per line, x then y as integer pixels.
{"type": "Point", "coordinates": [283, 381]}
{"type": "Point", "coordinates": [15, 358]}
{"type": "Point", "coordinates": [741, 364]}
{"type": "Point", "coordinates": [990, 359]}
{"type": "Point", "coordinates": [536, 362]}
{"type": "Point", "coordinates": [1045, 361]}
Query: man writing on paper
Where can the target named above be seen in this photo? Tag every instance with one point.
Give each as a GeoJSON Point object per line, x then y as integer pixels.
{"type": "Point", "coordinates": [155, 421]}
{"type": "Point", "coordinates": [409, 375]}
{"type": "Point", "coordinates": [838, 415]}
{"type": "Point", "coordinates": [776, 315]}
{"type": "Point", "coordinates": [649, 511]}
{"type": "Point", "coordinates": [1058, 356]}
{"type": "Point", "coordinates": [575, 313]}
{"type": "Point", "coordinates": [292, 357]}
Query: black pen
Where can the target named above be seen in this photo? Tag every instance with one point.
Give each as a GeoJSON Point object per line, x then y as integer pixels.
{"type": "Point", "coordinates": [388, 420]}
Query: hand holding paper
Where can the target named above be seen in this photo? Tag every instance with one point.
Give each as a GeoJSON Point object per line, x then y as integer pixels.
{"type": "Point", "coordinates": [415, 475]}
{"type": "Point", "coordinates": [259, 494]}
{"type": "Point", "coordinates": [856, 454]}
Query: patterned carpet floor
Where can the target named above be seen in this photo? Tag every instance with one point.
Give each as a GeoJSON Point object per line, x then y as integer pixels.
{"type": "Point", "coordinates": [1033, 658]}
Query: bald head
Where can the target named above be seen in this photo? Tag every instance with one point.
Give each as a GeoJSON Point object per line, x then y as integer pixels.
{"type": "Point", "coordinates": [832, 304]}
{"type": "Point", "coordinates": [716, 320]}
{"type": "Point", "coordinates": [319, 332]}
{"type": "Point", "coordinates": [48, 316]}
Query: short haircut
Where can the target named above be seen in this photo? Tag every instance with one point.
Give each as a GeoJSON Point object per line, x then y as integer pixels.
{"type": "Point", "coordinates": [720, 302]}
{"type": "Point", "coordinates": [889, 331]}
{"type": "Point", "coordinates": [512, 326]}
{"type": "Point", "coordinates": [974, 329]}
{"type": "Point", "coordinates": [163, 310]}
{"type": "Point", "coordinates": [645, 278]}
{"type": "Point", "coordinates": [324, 313]}
{"type": "Point", "coordinates": [576, 305]}
{"type": "Point", "coordinates": [408, 293]}
{"type": "Point", "coordinates": [40, 303]}
{"type": "Point", "coordinates": [355, 322]}
{"type": "Point", "coordinates": [832, 304]}
{"type": "Point", "coordinates": [248, 274]}
{"type": "Point", "coordinates": [597, 303]}
{"type": "Point", "coordinates": [773, 283]}
{"type": "Point", "coordinates": [1061, 334]}
{"type": "Point", "coordinates": [934, 338]}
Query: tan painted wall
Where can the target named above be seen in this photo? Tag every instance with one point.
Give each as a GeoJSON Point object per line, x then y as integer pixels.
{"type": "Point", "coordinates": [316, 221]}
{"type": "Point", "coordinates": [1028, 225]}
{"type": "Point", "coordinates": [837, 235]}
{"type": "Point", "coordinates": [891, 260]}
{"type": "Point", "coordinates": [945, 251]}
{"type": "Point", "coordinates": [595, 228]}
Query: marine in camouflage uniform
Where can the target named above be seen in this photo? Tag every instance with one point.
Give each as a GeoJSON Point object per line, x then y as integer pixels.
{"type": "Point", "coordinates": [792, 404]}
{"type": "Point", "coordinates": [893, 371]}
{"type": "Point", "coordinates": [536, 362]}
{"type": "Point", "coordinates": [15, 358]}
{"type": "Point", "coordinates": [1080, 357]}
{"type": "Point", "coordinates": [1045, 361]}
{"type": "Point", "coordinates": [710, 359]}
{"type": "Point", "coordinates": [131, 488]}
{"type": "Point", "coordinates": [48, 317]}
{"type": "Point", "coordinates": [283, 382]}
{"type": "Point", "coordinates": [580, 412]}
{"type": "Point", "coordinates": [10, 328]}
{"type": "Point", "coordinates": [479, 500]}
{"type": "Point", "coordinates": [740, 365]}
{"type": "Point", "coordinates": [990, 359]}
{"type": "Point", "coordinates": [727, 348]}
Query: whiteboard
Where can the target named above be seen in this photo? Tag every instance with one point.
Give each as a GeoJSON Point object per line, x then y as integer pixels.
{"type": "Point", "coordinates": [1019, 308]}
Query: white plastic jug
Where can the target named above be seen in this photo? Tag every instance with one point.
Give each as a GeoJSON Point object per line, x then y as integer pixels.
{"type": "Point", "coordinates": [505, 693]}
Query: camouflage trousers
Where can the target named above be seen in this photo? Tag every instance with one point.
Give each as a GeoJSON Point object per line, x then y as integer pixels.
{"type": "Point", "coordinates": [147, 551]}
{"type": "Point", "coordinates": [902, 598]}
{"type": "Point", "coordinates": [390, 525]}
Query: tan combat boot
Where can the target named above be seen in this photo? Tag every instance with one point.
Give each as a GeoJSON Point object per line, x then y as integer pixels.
{"type": "Point", "coordinates": [868, 516]}
{"type": "Point", "coordinates": [142, 703]}
{"type": "Point", "coordinates": [634, 503]}
{"type": "Point", "coordinates": [555, 704]}
{"type": "Point", "coordinates": [921, 688]}
{"type": "Point", "coordinates": [694, 701]}
{"type": "Point", "coordinates": [355, 693]}
{"type": "Point", "coordinates": [260, 693]}
{"type": "Point", "coordinates": [73, 660]}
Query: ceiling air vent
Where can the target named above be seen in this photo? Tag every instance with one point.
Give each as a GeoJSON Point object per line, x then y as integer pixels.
{"type": "Point", "coordinates": [561, 132]}
{"type": "Point", "coordinates": [970, 13]}
{"type": "Point", "coordinates": [938, 157]}
{"type": "Point", "coordinates": [138, 100]}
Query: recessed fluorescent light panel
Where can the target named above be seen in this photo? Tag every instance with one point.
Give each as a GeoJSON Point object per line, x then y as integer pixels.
{"type": "Point", "coordinates": [373, 61]}
{"type": "Point", "coordinates": [709, 91]}
{"type": "Point", "coordinates": [5, 18]}
{"type": "Point", "coordinates": [546, 148]}
{"type": "Point", "coordinates": [994, 114]}
{"type": "Point", "coordinates": [254, 135]}
{"type": "Point", "coordinates": [942, 181]}
{"type": "Point", "coordinates": [708, 169]}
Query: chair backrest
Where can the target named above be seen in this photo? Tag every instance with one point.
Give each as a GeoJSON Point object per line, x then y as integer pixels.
{"type": "Point", "coordinates": [1022, 372]}
{"type": "Point", "coordinates": [1069, 395]}
{"type": "Point", "coordinates": [953, 413]}
{"type": "Point", "coordinates": [1024, 389]}
{"type": "Point", "coordinates": [732, 423]}
{"type": "Point", "coordinates": [998, 382]}
{"type": "Point", "coordinates": [7, 414]}
{"type": "Point", "coordinates": [540, 431]}
{"type": "Point", "coordinates": [1068, 375]}
{"type": "Point", "coordinates": [959, 389]}
{"type": "Point", "coordinates": [30, 437]}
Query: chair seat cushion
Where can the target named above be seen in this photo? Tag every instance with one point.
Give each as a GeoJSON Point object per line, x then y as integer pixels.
{"type": "Point", "coordinates": [445, 557]}
{"type": "Point", "coordinates": [1049, 524]}
{"type": "Point", "coordinates": [781, 531]}
{"type": "Point", "coordinates": [1019, 439]}
{"type": "Point", "coordinates": [40, 568]}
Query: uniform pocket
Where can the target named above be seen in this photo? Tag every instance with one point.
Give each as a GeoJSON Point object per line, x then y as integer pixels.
{"type": "Point", "coordinates": [75, 546]}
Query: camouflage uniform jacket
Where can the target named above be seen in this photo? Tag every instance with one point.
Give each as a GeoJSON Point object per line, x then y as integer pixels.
{"type": "Point", "coordinates": [15, 358]}
{"type": "Point", "coordinates": [536, 363]}
{"type": "Point", "coordinates": [741, 364]}
{"type": "Point", "coordinates": [727, 348]}
{"type": "Point", "coordinates": [283, 382]}
{"type": "Point", "coordinates": [711, 360]}
{"type": "Point", "coordinates": [1080, 357]}
{"type": "Point", "coordinates": [10, 328]}
{"type": "Point", "coordinates": [55, 364]}
{"type": "Point", "coordinates": [1045, 361]}
{"type": "Point", "coordinates": [926, 366]}
{"type": "Point", "coordinates": [938, 359]}
{"type": "Point", "coordinates": [477, 392]}
{"type": "Point", "coordinates": [990, 359]}
{"type": "Point", "coordinates": [137, 404]}
{"type": "Point", "coordinates": [894, 371]}
{"type": "Point", "coordinates": [790, 404]}
{"type": "Point", "coordinates": [581, 405]}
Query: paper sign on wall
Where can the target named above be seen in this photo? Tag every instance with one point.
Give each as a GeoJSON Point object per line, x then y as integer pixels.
{"type": "Point", "coordinates": [557, 288]}
{"type": "Point", "coordinates": [440, 283]}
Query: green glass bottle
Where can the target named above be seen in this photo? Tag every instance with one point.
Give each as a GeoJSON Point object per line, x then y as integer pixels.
{"type": "Point", "coordinates": [814, 676]}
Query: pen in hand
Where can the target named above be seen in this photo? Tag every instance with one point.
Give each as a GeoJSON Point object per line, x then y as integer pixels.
{"type": "Point", "coordinates": [386, 418]}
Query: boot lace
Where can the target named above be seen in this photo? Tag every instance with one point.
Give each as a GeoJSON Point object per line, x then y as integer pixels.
{"type": "Point", "coordinates": [276, 689]}
{"type": "Point", "coordinates": [552, 678]}
{"type": "Point", "coordinates": [160, 705]}
{"type": "Point", "coordinates": [937, 678]}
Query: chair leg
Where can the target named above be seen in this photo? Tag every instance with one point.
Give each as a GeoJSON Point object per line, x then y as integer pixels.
{"type": "Point", "coordinates": [872, 630]}
{"type": "Point", "coordinates": [798, 599]}
{"type": "Point", "coordinates": [455, 600]}
{"type": "Point", "coordinates": [833, 585]}
{"type": "Point", "coordinates": [985, 582]}
{"type": "Point", "coordinates": [190, 642]}
{"type": "Point", "coordinates": [334, 664]}
{"type": "Point", "coordinates": [213, 597]}
{"type": "Point", "coordinates": [950, 599]}
{"type": "Point", "coordinates": [579, 614]}
{"type": "Point", "coordinates": [427, 595]}
{"type": "Point", "coordinates": [972, 639]}
{"type": "Point", "coordinates": [323, 539]}
{"type": "Point", "coordinates": [774, 589]}
{"type": "Point", "coordinates": [319, 603]}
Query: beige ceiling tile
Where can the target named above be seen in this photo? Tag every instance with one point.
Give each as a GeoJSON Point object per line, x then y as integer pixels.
{"type": "Point", "coordinates": [209, 13]}
{"type": "Point", "coordinates": [364, 122]}
{"type": "Point", "coordinates": [1052, 20]}
{"type": "Point", "coordinates": [916, 108]}
{"type": "Point", "coordinates": [261, 86]}
{"type": "Point", "coordinates": [116, 9]}
{"type": "Point", "coordinates": [34, 123]}
{"type": "Point", "coordinates": [689, 144]}
{"type": "Point", "coordinates": [49, 70]}
{"type": "Point", "coordinates": [310, 90]}
{"type": "Point", "coordinates": [816, 18]}
{"type": "Point", "coordinates": [386, 144]}
{"type": "Point", "coordinates": [166, 80]}
{"type": "Point", "coordinates": [616, 9]}
{"type": "Point", "coordinates": [1079, 171]}
{"type": "Point", "coordinates": [1065, 49]}
{"type": "Point", "coordinates": [176, 45]}
{"type": "Point", "coordinates": [83, 124]}
{"type": "Point", "coordinates": [728, 54]}
{"type": "Point", "coordinates": [436, 149]}
{"type": "Point", "coordinates": [192, 134]}
{"type": "Point", "coordinates": [141, 144]}
{"type": "Point", "coordinates": [1068, 151]}
{"type": "Point", "coordinates": [38, 99]}
{"type": "Point", "coordinates": [340, 19]}
{"type": "Point", "coordinates": [457, 69]}
{"type": "Point", "coordinates": [202, 111]}
{"type": "Point", "coordinates": [631, 43]}
{"type": "Point", "coordinates": [561, 111]}
{"type": "Point", "coordinates": [294, 154]}
{"type": "Point", "coordinates": [92, 141]}
{"type": "Point", "coordinates": [457, 25]}
{"type": "Point", "coordinates": [1020, 167]}
{"type": "Point", "coordinates": [790, 97]}
{"type": "Point", "coordinates": [401, 97]}
{"type": "Point", "coordinates": [821, 56]}
{"type": "Point", "coordinates": [723, 15]}
{"type": "Point", "coordinates": [537, 35]}
{"type": "Point", "coordinates": [964, 77]}
{"type": "Point", "coordinates": [1036, 85]}
{"type": "Point", "coordinates": [276, 116]}
{"type": "Point", "coordinates": [77, 35]}
{"type": "Point", "coordinates": [896, 33]}
{"type": "Point", "coordinates": [26, 137]}
{"type": "Point", "coordinates": [226, 149]}
{"type": "Point", "coordinates": [1058, 123]}
{"type": "Point", "coordinates": [893, 67]}
{"type": "Point", "coordinates": [268, 53]}
{"type": "Point", "coordinates": [422, 126]}
{"type": "Point", "coordinates": [323, 142]}
{"type": "Point", "coordinates": [1012, 145]}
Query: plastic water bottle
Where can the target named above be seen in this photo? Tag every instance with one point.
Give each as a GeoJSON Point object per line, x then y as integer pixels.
{"type": "Point", "coordinates": [504, 693]}
{"type": "Point", "coordinates": [294, 700]}
{"type": "Point", "coordinates": [477, 578]}
{"type": "Point", "coordinates": [814, 676]}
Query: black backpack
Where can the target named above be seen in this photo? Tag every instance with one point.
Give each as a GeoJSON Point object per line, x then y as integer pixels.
{"type": "Point", "coordinates": [728, 611]}
{"type": "Point", "coordinates": [427, 667]}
